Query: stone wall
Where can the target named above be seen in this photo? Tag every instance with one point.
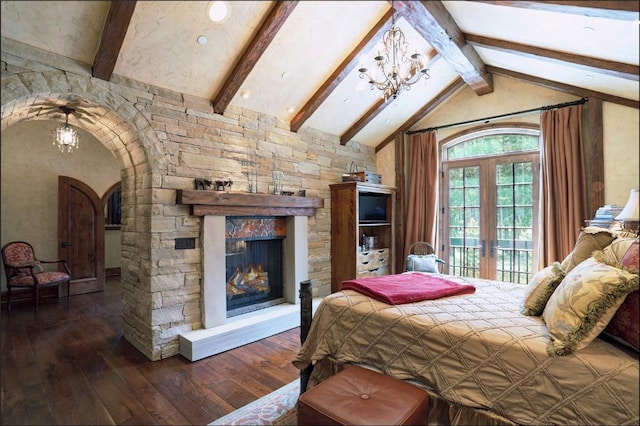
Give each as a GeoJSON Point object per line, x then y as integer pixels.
{"type": "Point", "coordinates": [163, 140]}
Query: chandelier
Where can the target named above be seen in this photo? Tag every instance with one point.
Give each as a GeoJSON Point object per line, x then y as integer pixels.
{"type": "Point", "coordinates": [398, 71]}
{"type": "Point", "coordinates": [66, 136]}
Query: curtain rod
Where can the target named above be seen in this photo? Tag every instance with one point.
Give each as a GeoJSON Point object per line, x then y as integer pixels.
{"type": "Point", "coordinates": [543, 108]}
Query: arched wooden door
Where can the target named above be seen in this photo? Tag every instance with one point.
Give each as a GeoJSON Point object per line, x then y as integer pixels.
{"type": "Point", "coordinates": [81, 235]}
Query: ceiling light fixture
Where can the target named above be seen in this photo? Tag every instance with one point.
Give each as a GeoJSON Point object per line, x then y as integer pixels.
{"type": "Point", "coordinates": [399, 71]}
{"type": "Point", "coordinates": [66, 136]}
{"type": "Point", "coordinates": [217, 11]}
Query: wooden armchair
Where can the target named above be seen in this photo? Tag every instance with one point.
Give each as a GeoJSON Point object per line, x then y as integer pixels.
{"type": "Point", "coordinates": [24, 270]}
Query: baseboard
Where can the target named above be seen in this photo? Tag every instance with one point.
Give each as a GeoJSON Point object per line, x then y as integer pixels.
{"type": "Point", "coordinates": [19, 296]}
{"type": "Point", "coordinates": [112, 272]}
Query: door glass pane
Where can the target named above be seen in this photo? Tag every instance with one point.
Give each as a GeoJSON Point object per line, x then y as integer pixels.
{"type": "Point", "coordinates": [514, 219]}
{"type": "Point", "coordinates": [464, 221]}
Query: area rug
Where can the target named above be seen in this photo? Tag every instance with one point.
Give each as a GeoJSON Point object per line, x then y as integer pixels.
{"type": "Point", "coordinates": [277, 408]}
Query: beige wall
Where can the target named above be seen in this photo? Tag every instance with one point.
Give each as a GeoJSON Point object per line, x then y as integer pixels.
{"type": "Point", "coordinates": [30, 166]}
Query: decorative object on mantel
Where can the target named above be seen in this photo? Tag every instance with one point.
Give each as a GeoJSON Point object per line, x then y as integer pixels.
{"type": "Point", "coordinates": [222, 185]}
{"type": "Point", "coordinates": [202, 183]}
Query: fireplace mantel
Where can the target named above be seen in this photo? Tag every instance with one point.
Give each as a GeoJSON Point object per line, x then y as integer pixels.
{"type": "Point", "coordinates": [222, 203]}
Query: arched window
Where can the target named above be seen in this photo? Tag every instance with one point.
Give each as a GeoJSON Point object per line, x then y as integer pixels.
{"type": "Point", "coordinates": [489, 190]}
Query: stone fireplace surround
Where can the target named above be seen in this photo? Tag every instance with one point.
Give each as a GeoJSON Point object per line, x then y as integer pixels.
{"type": "Point", "coordinates": [221, 333]}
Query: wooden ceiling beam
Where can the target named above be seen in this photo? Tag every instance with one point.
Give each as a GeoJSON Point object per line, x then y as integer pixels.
{"type": "Point", "coordinates": [378, 107]}
{"type": "Point", "coordinates": [252, 53]}
{"type": "Point", "coordinates": [614, 69]}
{"type": "Point", "coordinates": [342, 71]}
{"type": "Point", "coordinates": [438, 100]}
{"type": "Point", "coordinates": [624, 10]}
{"type": "Point", "coordinates": [434, 23]}
{"type": "Point", "coordinates": [566, 88]}
{"type": "Point", "coordinates": [113, 33]}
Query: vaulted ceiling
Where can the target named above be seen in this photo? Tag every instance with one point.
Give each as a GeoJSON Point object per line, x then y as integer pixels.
{"type": "Point", "coordinates": [299, 60]}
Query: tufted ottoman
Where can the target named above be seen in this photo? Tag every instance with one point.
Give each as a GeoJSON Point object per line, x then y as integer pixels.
{"type": "Point", "coordinates": [359, 396]}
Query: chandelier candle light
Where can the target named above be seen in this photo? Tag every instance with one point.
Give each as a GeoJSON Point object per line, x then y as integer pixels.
{"type": "Point", "coordinates": [399, 70]}
{"type": "Point", "coordinates": [66, 136]}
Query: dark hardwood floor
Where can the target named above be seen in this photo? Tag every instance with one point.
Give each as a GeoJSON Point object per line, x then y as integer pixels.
{"type": "Point", "coordinates": [73, 366]}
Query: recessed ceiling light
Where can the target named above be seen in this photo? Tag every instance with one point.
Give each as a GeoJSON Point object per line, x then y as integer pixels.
{"type": "Point", "coordinates": [345, 101]}
{"type": "Point", "coordinates": [217, 11]}
{"type": "Point", "coordinates": [589, 29]}
{"type": "Point", "coordinates": [202, 40]}
{"type": "Point", "coordinates": [290, 109]}
{"type": "Point", "coordinates": [245, 94]}
{"type": "Point", "coordinates": [285, 75]}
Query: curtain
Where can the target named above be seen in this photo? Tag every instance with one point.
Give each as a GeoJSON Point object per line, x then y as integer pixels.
{"type": "Point", "coordinates": [422, 190]}
{"type": "Point", "coordinates": [564, 201]}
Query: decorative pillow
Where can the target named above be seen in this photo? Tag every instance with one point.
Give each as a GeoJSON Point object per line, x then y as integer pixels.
{"type": "Point", "coordinates": [583, 304]}
{"type": "Point", "coordinates": [540, 288]}
{"type": "Point", "coordinates": [590, 239]}
{"type": "Point", "coordinates": [624, 326]}
{"type": "Point", "coordinates": [614, 252]}
{"type": "Point", "coordinates": [422, 263]}
{"type": "Point", "coordinates": [631, 259]}
{"type": "Point", "coordinates": [37, 268]}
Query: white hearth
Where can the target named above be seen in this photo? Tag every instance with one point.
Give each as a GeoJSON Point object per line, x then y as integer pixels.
{"type": "Point", "coordinates": [221, 333]}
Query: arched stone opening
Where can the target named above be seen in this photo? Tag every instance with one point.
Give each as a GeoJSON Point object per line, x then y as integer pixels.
{"type": "Point", "coordinates": [126, 132]}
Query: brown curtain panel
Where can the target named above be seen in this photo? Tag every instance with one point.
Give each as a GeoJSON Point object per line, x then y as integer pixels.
{"type": "Point", "coordinates": [564, 200]}
{"type": "Point", "coordinates": [422, 190]}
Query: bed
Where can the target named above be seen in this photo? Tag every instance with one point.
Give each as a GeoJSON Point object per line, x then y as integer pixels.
{"type": "Point", "coordinates": [481, 360]}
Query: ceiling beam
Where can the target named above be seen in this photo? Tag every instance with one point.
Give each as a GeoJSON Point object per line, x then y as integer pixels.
{"type": "Point", "coordinates": [252, 53]}
{"type": "Point", "coordinates": [434, 23]}
{"type": "Point", "coordinates": [113, 33]}
{"type": "Point", "coordinates": [342, 71]}
{"type": "Point", "coordinates": [566, 88]}
{"type": "Point", "coordinates": [438, 100]}
{"type": "Point", "coordinates": [614, 69]}
{"type": "Point", "coordinates": [378, 107]}
{"type": "Point", "coordinates": [624, 10]}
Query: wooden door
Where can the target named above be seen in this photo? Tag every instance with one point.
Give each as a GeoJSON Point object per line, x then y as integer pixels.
{"type": "Point", "coordinates": [81, 235]}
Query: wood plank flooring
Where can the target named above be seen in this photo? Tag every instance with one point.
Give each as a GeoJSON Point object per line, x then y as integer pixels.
{"type": "Point", "coordinates": [72, 366]}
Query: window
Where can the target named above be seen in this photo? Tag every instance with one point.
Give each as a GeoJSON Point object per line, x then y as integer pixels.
{"type": "Point", "coordinates": [112, 202]}
{"type": "Point", "coordinates": [490, 203]}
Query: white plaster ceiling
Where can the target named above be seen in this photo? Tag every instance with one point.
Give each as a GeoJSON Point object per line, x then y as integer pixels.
{"type": "Point", "coordinates": [160, 48]}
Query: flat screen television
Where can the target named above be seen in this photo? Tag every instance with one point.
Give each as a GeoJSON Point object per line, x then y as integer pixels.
{"type": "Point", "coordinates": [372, 208]}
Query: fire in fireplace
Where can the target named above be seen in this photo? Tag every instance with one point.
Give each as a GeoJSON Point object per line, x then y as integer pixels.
{"type": "Point", "coordinates": [254, 263]}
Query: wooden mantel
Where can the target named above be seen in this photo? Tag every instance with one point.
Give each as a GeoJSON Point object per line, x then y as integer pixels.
{"type": "Point", "coordinates": [222, 203]}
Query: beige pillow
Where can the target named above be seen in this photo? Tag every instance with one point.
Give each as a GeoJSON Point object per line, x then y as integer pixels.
{"type": "Point", "coordinates": [590, 239]}
{"type": "Point", "coordinates": [583, 304]}
{"type": "Point", "coordinates": [614, 252]}
{"type": "Point", "coordinates": [540, 289]}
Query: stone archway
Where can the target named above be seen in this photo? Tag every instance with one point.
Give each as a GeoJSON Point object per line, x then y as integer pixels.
{"type": "Point", "coordinates": [126, 132]}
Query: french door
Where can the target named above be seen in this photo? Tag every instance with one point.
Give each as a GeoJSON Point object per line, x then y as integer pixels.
{"type": "Point", "coordinates": [490, 216]}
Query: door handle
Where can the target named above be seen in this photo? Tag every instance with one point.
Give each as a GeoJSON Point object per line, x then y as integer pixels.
{"type": "Point", "coordinates": [482, 248]}
{"type": "Point", "coordinates": [493, 247]}
{"type": "Point", "coordinates": [64, 244]}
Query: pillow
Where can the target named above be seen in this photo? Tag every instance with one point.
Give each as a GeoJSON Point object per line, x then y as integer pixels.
{"type": "Point", "coordinates": [540, 288]}
{"type": "Point", "coordinates": [583, 304]}
{"type": "Point", "coordinates": [624, 327]}
{"type": "Point", "coordinates": [590, 239]}
{"type": "Point", "coordinates": [614, 252]}
{"type": "Point", "coordinates": [422, 263]}
{"type": "Point", "coordinates": [37, 268]}
{"type": "Point", "coordinates": [631, 259]}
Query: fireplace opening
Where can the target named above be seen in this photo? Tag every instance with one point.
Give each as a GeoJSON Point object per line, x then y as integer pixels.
{"type": "Point", "coordinates": [254, 264]}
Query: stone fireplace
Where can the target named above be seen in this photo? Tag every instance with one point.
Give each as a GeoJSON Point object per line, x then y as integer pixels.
{"type": "Point", "coordinates": [223, 331]}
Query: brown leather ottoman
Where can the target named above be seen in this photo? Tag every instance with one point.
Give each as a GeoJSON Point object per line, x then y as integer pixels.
{"type": "Point", "coordinates": [359, 396]}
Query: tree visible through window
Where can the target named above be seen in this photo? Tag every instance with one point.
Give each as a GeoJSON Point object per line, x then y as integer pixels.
{"type": "Point", "coordinates": [490, 204]}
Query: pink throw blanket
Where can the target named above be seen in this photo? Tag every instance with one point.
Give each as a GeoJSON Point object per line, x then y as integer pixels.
{"type": "Point", "coordinates": [406, 288]}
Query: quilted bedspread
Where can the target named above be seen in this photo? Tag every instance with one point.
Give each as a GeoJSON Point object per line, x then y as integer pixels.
{"type": "Point", "coordinates": [477, 350]}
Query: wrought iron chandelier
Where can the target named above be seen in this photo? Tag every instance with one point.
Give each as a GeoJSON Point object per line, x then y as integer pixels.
{"type": "Point", "coordinates": [66, 136]}
{"type": "Point", "coordinates": [398, 70]}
